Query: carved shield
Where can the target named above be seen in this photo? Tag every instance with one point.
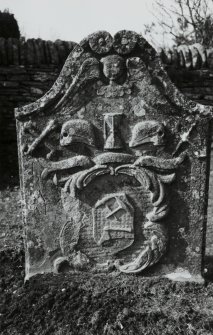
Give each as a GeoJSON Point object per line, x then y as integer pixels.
{"type": "Point", "coordinates": [113, 218]}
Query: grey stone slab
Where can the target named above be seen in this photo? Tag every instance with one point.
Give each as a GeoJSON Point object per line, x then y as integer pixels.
{"type": "Point", "coordinates": [113, 165]}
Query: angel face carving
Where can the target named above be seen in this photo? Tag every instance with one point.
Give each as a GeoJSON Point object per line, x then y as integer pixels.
{"type": "Point", "coordinates": [148, 134]}
{"type": "Point", "coordinates": [113, 67]}
{"type": "Point", "coordinates": [77, 131]}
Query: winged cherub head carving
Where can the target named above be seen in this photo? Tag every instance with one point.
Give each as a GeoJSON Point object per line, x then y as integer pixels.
{"type": "Point", "coordinates": [113, 67]}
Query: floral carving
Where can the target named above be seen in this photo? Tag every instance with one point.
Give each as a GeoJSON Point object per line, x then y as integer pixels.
{"type": "Point", "coordinates": [101, 42]}
{"type": "Point", "coordinates": [124, 42]}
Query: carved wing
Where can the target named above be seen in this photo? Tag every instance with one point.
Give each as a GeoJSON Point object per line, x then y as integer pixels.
{"type": "Point", "coordinates": [89, 70]}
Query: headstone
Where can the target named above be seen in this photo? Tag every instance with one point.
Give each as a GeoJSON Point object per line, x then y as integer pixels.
{"type": "Point", "coordinates": [114, 166]}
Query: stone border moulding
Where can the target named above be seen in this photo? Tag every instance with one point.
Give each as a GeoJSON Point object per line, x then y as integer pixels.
{"type": "Point", "coordinates": [114, 165]}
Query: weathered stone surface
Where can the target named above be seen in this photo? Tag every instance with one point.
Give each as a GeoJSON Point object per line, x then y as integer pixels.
{"type": "Point", "coordinates": [113, 165]}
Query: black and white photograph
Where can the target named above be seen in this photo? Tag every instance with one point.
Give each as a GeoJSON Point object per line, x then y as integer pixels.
{"type": "Point", "coordinates": [106, 167]}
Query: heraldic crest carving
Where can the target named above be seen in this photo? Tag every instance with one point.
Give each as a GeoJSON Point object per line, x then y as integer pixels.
{"type": "Point", "coordinates": [100, 157]}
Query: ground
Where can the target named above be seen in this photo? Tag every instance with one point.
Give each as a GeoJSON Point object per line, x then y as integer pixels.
{"type": "Point", "coordinates": [79, 303]}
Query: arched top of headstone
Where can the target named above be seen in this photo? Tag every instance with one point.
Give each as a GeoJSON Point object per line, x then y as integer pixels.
{"type": "Point", "coordinates": [88, 62]}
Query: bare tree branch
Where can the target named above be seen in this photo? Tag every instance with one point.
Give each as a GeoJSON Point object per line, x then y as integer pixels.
{"type": "Point", "coordinates": [186, 21]}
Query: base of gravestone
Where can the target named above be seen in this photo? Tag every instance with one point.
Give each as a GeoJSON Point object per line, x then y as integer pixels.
{"type": "Point", "coordinates": [184, 276]}
{"type": "Point", "coordinates": [177, 275]}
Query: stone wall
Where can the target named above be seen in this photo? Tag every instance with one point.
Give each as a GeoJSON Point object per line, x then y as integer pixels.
{"type": "Point", "coordinates": [191, 69]}
{"type": "Point", "coordinates": [33, 52]}
{"type": "Point", "coordinates": [197, 84]}
{"type": "Point", "coordinates": [29, 68]}
{"type": "Point", "coordinates": [19, 86]}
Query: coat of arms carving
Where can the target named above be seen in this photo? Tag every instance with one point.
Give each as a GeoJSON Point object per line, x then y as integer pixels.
{"type": "Point", "coordinates": [111, 165]}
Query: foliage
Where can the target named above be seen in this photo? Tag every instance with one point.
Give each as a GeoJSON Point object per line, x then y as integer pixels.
{"type": "Point", "coordinates": [8, 25]}
{"type": "Point", "coordinates": [182, 22]}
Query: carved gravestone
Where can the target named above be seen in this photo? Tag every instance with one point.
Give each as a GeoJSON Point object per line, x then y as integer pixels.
{"type": "Point", "coordinates": [113, 166]}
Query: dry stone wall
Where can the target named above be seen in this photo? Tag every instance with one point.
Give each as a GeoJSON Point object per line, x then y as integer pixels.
{"type": "Point", "coordinates": [18, 86]}
{"type": "Point", "coordinates": [191, 69]}
{"type": "Point", "coordinates": [27, 70]}
{"type": "Point", "coordinates": [34, 52]}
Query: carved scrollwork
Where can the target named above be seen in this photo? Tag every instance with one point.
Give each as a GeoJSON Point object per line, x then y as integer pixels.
{"type": "Point", "coordinates": [155, 183]}
{"type": "Point", "coordinates": [73, 162]}
{"type": "Point", "coordinates": [154, 230]}
{"type": "Point", "coordinates": [160, 164]}
{"type": "Point", "coordinates": [152, 173]}
{"type": "Point", "coordinates": [153, 249]}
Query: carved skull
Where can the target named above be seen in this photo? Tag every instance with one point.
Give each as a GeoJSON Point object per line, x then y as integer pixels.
{"type": "Point", "coordinates": [113, 67]}
{"type": "Point", "coordinates": [148, 132]}
{"type": "Point", "coordinates": [77, 131]}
